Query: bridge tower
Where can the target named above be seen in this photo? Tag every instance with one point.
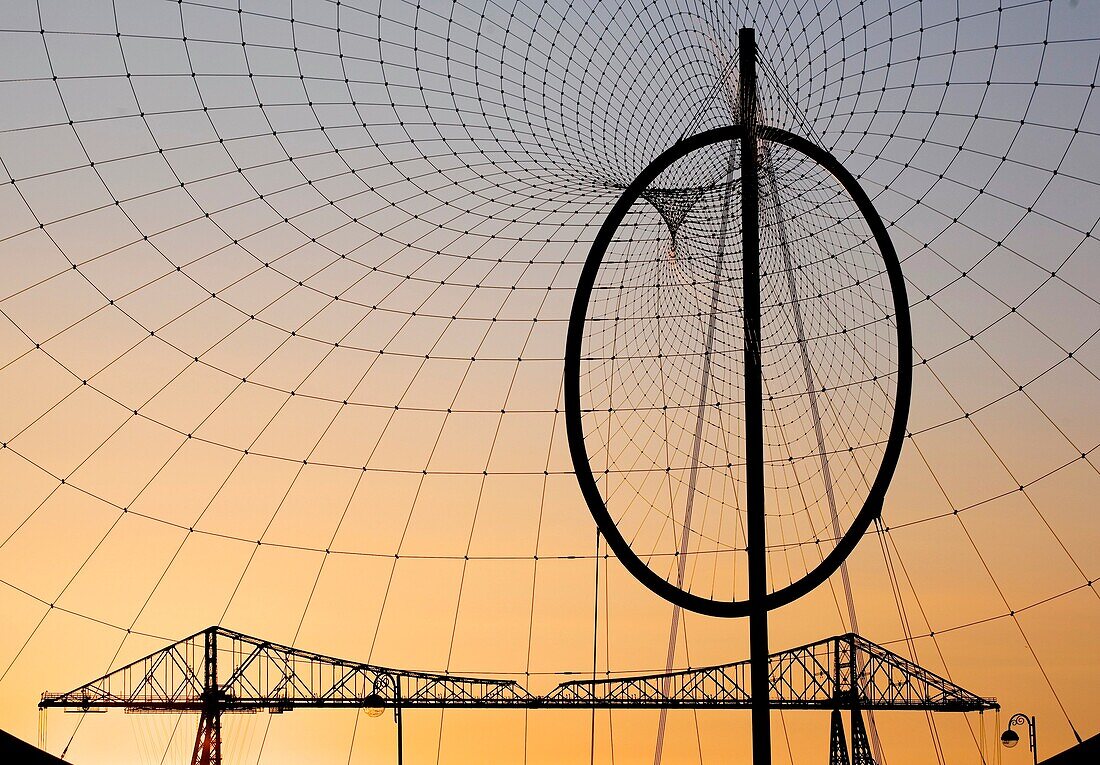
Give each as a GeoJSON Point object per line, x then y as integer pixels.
{"type": "Point", "coordinates": [838, 747]}
{"type": "Point", "coordinates": [208, 740]}
{"type": "Point", "coordinates": [861, 746]}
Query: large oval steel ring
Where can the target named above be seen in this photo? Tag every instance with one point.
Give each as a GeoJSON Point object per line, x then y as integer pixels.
{"type": "Point", "coordinates": [871, 507]}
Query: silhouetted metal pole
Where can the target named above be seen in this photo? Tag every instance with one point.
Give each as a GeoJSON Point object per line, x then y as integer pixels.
{"type": "Point", "coordinates": [754, 412]}
{"type": "Point", "coordinates": [397, 715]}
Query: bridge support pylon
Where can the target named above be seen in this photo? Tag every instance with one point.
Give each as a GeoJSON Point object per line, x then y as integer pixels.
{"type": "Point", "coordinates": [208, 740]}
{"type": "Point", "coordinates": [861, 746]}
{"type": "Point", "coordinates": [838, 747]}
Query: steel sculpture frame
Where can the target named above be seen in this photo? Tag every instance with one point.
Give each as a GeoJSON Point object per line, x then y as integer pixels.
{"type": "Point", "coordinates": [872, 506]}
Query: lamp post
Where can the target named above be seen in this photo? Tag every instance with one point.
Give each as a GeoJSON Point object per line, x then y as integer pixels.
{"type": "Point", "coordinates": [375, 705]}
{"type": "Point", "coordinates": [1011, 738]}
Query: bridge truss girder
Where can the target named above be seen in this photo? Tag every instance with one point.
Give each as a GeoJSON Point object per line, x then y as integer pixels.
{"type": "Point", "coordinates": [235, 672]}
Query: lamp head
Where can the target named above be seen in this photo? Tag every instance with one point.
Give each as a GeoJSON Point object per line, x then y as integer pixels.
{"type": "Point", "coordinates": [1010, 738]}
{"type": "Point", "coordinates": [374, 705]}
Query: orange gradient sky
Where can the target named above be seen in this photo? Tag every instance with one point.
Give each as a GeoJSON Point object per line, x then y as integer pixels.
{"type": "Point", "coordinates": [283, 298]}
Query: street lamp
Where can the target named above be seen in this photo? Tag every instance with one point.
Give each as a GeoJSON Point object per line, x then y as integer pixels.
{"type": "Point", "coordinates": [1011, 738]}
{"type": "Point", "coordinates": [387, 691]}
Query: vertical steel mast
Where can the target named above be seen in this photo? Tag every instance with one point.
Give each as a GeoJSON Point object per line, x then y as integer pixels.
{"type": "Point", "coordinates": [754, 414]}
{"type": "Point", "coordinates": [749, 138]}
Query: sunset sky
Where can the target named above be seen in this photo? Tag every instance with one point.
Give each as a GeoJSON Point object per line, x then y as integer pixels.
{"type": "Point", "coordinates": [284, 288]}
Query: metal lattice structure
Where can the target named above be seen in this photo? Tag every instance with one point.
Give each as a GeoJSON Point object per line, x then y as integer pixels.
{"type": "Point", "coordinates": [861, 745]}
{"type": "Point", "coordinates": [219, 671]}
{"type": "Point", "coordinates": [838, 747]}
{"type": "Point", "coordinates": [249, 674]}
{"type": "Point", "coordinates": [842, 672]}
